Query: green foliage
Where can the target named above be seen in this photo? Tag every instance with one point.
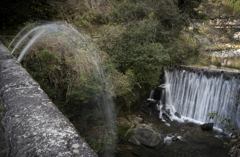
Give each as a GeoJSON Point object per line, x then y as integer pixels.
{"type": "Point", "coordinates": [231, 9]}
{"type": "Point", "coordinates": [55, 75]}
{"type": "Point", "coordinates": [141, 38]}
{"type": "Point", "coordinates": [109, 140]}
{"type": "Point", "coordinates": [129, 11]}
{"type": "Point", "coordinates": [47, 56]}
{"type": "Point", "coordinates": [165, 12]}
{"type": "Point", "coordinates": [122, 130]}
{"type": "Point", "coordinates": [36, 71]}
{"type": "Point", "coordinates": [235, 4]}
{"type": "Point", "coordinates": [96, 146]}
{"type": "Point", "coordinates": [135, 50]}
{"type": "Point", "coordinates": [217, 64]}
{"type": "Point", "coordinates": [136, 57]}
{"type": "Point", "coordinates": [228, 127]}
{"type": "Point", "coordinates": [89, 18]}
{"type": "Point", "coordinates": [189, 6]}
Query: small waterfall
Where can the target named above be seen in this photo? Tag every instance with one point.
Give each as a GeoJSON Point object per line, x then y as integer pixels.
{"type": "Point", "coordinates": [195, 92]}
{"type": "Point", "coordinates": [82, 53]}
{"type": "Point", "coordinates": [166, 111]}
{"type": "Point", "coordinates": [151, 96]}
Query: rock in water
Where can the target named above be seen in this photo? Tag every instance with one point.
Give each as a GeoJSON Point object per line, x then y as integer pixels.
{"type": "Point", "coordinates": [166, 117]}
{"type": "Point", "coordinates": [175, 138]}
{"type": "Point", "coordinates": [147, 136]}
{"type": "Point", "coordinates": [207, 126]}
{"type": "Point", "coordinates": [133, 140]}
{"type": "Point", "coordinates": [177, 114]}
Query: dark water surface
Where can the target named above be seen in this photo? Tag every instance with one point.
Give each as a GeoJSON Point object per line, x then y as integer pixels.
{"type": "Point", "coordinates": [193, 142]}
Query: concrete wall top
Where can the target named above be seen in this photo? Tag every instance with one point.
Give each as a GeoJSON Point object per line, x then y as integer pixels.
{"type": "Point", "coordinates": [33, 124]}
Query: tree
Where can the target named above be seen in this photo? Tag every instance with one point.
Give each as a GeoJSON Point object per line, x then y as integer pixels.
{"type": "Point", "coordinates": [189, 6]}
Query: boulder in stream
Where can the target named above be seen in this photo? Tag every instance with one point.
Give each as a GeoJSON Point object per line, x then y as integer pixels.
{"type": "Point", "coordinates": [207, 126]}
{"type": "Point", "coordinates": [133, 140]}
{"type": "Point", "coordinates": [177, 114]}
{"type": "Point", "coordinates": [147, 136]}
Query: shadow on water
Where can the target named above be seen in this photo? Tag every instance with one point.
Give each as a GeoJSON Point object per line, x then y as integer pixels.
{"type": "Point", "coordinates": [195, 146]}
{"type": "Point", "coordinates": [192, 142]}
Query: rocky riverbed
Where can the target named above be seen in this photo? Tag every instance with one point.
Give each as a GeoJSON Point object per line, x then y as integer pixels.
{"type": "Point", "coordinates": [150, 137]}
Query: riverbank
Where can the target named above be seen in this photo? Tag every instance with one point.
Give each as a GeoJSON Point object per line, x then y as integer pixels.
{"type": "Point", "coordinates": [179, 139]}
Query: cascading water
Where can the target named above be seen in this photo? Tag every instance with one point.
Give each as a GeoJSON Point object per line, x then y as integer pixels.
{"type": "Point", "coordinates": [195, 94]}
{"type": "Point", "coordinates": [79, 48]}
{"type": "Point", "coordinates": [151, 96]}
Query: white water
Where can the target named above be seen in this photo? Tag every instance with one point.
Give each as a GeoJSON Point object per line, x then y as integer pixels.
{"type": "Point", "coordinates": [16, 36]}
{"type": "Point", "coordinates": [151, 96]}
{"type": "Point", "coordinates": [29, 26]}
{"type": "Point", "coordinates": [24, 51]}
{"type": "Point", "coordinates": [194, 95]}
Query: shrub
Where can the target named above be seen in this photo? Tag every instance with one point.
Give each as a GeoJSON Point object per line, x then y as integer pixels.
{"type": "Point", "coordinates": [134, 49]}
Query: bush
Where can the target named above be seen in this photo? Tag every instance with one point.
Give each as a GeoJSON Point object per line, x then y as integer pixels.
{"type": "Point", "coordinates": [141, 38]}
{"type": "Point", "coordinates": [122, 130]}
{"type": "Point", "coordinates": [218, 64]}
{"type": "Point", "coordinates": [134, 49]}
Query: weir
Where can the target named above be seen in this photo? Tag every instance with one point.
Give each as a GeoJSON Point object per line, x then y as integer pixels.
{"type": "Point", "coordinates": [33, 124]}
{"type": "Point", "coordinates": [195, 92]}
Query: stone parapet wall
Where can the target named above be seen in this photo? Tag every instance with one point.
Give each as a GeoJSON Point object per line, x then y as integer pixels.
{"type": "Point", "coordinates": [33, 124]}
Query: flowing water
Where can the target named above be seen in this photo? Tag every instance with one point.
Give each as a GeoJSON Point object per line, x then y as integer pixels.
{"type": "Point", "coordinates": [79, 47]}
{"type": "Point", "coordinates": [194, 94]}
